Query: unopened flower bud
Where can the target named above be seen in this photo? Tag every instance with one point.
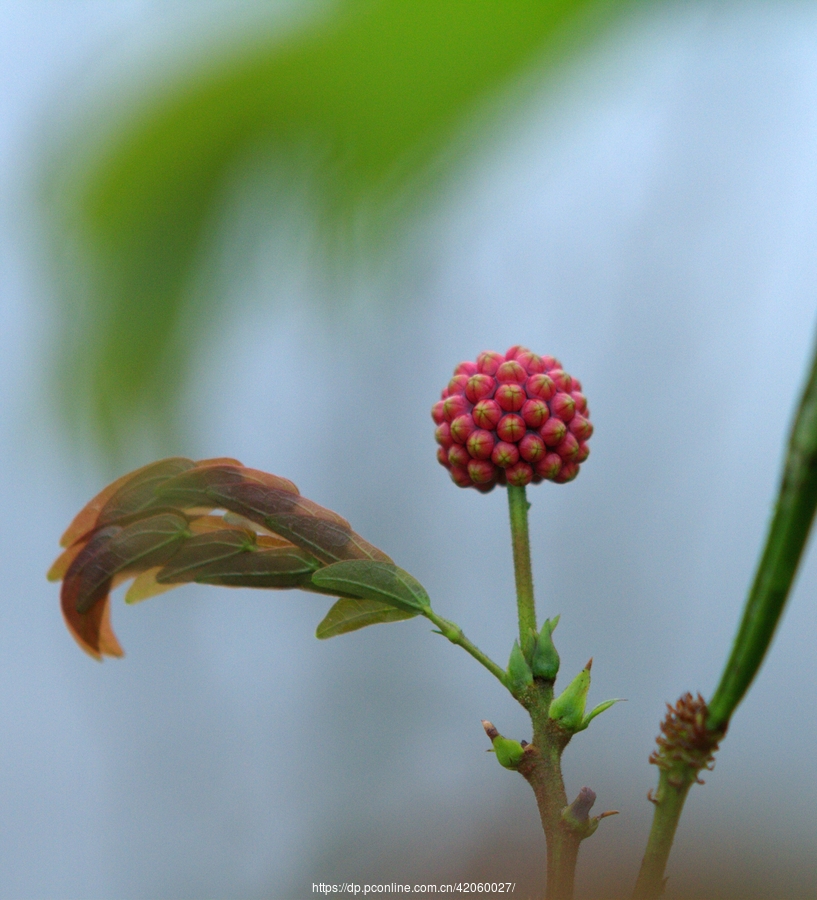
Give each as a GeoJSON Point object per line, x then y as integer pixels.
{"type": "Point", "coordinates": [561, 379]}
{"type": "Point", "coordinates": [466, 368]}
{"type": "Point", "coordinates": [443, 435]}
{"type": "Point", "coordinates": [459, 456]}
{"type": "Point", "coordinates": [457, 384]}
{"type": "Point", "coordinates": [505, 454]}
{"type": "Point", "coordinates": [549, 465]}
{"type": "Point", "coordinates": [480, 444]}
{"type": "Point", "coordinates": [567, 473]}
{"type": "Point", "coordinates": [531, 447]}
{"type": "Point", "coordinates": [530, 361]}
{"type": "Point", "coordinates": [581, 427]}
{"type": "Point", "coordinates": [540, 387]}
{"type": "Point", "coordinates": [511, 428]}
{"type": "Point", "coordinates": [511, 372]}
{"type": "Point", "coordinates": [487, 413]}
{"type": "Point", "coordinates": [567, 448]}
{"type": "Point", "coordinates": [563, 406]}
{"type": "Point", "coordinates": [462, 427]}
{"type": "Point", "coordinates": [519, 475]}
{"type": "Point", "coordinates": [438, 412]}
{"type": "Point", "coordinates": [481, 471]}
{"type": "Point", "coordinates": [488, 362]}
{"type": "Point", "coordinates": [479, 387]}
{"type": "Point", "coordinates": [553, 432]}
{"type": "Point", "coordinates": [455, 405]}
{"type": "Point", "coordinates": [510, 397]}
{"type": "Point", "coordinates": [534, 413]}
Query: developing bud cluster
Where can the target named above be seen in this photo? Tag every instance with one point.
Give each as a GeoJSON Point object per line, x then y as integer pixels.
{"type": "Point", "coordinates": [512, 419]}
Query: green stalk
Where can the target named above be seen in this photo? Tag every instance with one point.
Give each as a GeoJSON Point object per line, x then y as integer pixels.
{"type": "Point", "coordinates": [518, 507]}
{"type": "Point", "coordinates": [455, 634]}
{"type": "Point", "coordinates": [786, 539]}
{"type": "Point", "coordinates": [669, 803]}
{"type": "Point", "coordinates": [788, 533]}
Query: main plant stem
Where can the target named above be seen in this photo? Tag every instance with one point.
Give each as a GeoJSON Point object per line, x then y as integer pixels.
{"type": "Point", "coordinates": [543, 771]}
{"type": "Point", "coordinates": [542, 764]}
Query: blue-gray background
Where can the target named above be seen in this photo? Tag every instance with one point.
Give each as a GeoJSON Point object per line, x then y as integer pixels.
{"type": "Point", "coordinates": [651, 219]}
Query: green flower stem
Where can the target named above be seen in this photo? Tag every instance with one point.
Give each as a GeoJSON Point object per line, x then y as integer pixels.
{"type": "Point", "coordinates": [669, 803]}
{"type": "Point", "coordinates": [526, 606]}
{"type": "Point", "coordinates": [786, 539]}
{"type": "Point", "coordinates": [454, 633]}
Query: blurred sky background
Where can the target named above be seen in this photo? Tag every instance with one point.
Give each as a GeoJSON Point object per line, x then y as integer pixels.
{"type": "Point", "coordinates": [649, 216]}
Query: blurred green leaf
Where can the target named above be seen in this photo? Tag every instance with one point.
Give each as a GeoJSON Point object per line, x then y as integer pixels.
{"type": "Point", "coordinates": [349, 615]}
{"type": "Point", "coordinates": [372, 580]}
{"type": "Point", "coordinates": [362, 102]}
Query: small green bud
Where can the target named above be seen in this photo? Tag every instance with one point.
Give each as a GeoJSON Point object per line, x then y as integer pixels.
{"type": "Point", "coordinates": [568, 708]}
{"type": "Point", "coordinates": [545, 662]}
{"type": "Point", "coordinates": [577, 815]}
{"type": "Point", "coordinates": [509, 753]}
{"type": "Point", "coordinates": [520, 676]}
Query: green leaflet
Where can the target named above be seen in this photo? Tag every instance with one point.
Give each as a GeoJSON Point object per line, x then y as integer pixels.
{"type": "Point", "coordinates": [374, 580]}
{"type": "Point", "coordinates": [349, 615]}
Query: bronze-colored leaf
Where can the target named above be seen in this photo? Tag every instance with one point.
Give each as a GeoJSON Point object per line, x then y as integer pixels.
{"type": "Point", "coordinates": [87, 518]}
{"type": "Point", "coordinates": [276, 568]}
{"type": "Point", "coordinates": [117, 549]}
{"type": "Point", "coordinates": [145, 586]}
{"type": "Point", "coordinates": [138, 494]}
{"type": "Point", "coordinates": [158, 525]}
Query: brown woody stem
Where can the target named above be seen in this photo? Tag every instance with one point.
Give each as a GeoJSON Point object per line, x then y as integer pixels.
{"type": "Point", "coordinates": [542, 769]}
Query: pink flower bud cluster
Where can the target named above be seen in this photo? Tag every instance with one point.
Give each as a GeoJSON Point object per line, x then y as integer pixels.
{"type": "Point", "coordinates": [512, 419]}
